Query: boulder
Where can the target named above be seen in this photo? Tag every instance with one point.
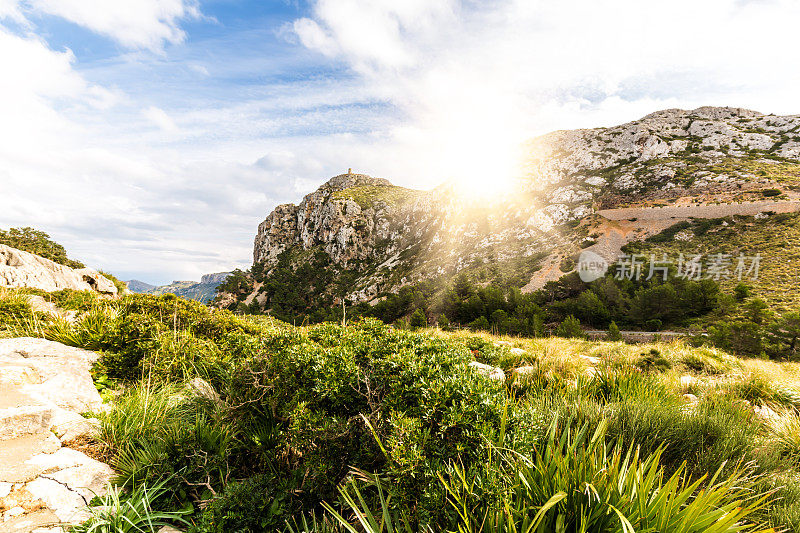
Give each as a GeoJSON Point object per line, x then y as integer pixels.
{"type": "Point", "coordinates": [26, 420]}
{"type": "Point", "coordinates": [66, 504]}
{"type": "Point", "coordinates": [491, 372]}
{"type": "Point", "coordinates": [203, 388]}
{"type": "Point", "coordinates": [691, 399]}
{"type": "Point", "coordinates": [24, 269]}
{"type": "Point", "coordinates": [523, 371]}
{"type": "Point", "coordinates": [69, 425]}
{"type": "Point", "coordinates": [50, 372]}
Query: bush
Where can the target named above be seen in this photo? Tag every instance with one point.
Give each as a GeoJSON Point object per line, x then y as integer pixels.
{"type": "Point", "coordinates": [416, 391]}
{"type": "Point", "coordinates": [418, 319]}
{"type": "Point", "coordinates": [613, 332]}
{"type": "Point", "coordinates": [570, 328]}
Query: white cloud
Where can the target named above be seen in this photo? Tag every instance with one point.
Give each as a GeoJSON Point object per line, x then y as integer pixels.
{"type": "Point", "coordinates": [137, 24]}
{"type": "Point", "coordinates": [160, 118]}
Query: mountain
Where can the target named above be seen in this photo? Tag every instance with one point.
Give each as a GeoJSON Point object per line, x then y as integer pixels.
{"type": "Point", "coordinates": [204, 292]}
{"type": "Point", "coordinates": [360, 238]}
{"type": "Point", "coordinates": [135, 285]}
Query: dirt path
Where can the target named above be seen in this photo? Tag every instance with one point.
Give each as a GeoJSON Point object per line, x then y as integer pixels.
{"type": "Point", "coordinates": [700, 210]}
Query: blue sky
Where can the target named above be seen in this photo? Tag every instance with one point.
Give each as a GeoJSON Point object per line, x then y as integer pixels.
{"type": "Point", "coordinates": [152, 136]}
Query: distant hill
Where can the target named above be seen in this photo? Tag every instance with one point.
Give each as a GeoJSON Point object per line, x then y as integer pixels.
{"type": "Point", "coordinates": [135, 285]}
{"type": "Point", "coordinates": [202, 292]}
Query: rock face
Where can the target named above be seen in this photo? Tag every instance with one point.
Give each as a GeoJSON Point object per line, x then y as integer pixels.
{"type": "Point", "coordinates": [383, 237]}
{"type": "Point", "coordinates": [324, 218]}
{"type": "Point", "coordinates": [23, 269]}
{"type": "Point", "coordinates": [44, 386]}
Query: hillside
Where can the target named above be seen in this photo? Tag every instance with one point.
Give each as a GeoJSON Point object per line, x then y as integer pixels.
{"type": "Point", "coordinates": [280, 428]}
{"type": "Point", "coordinates": [204, 291]}
{"type": "Point", "coordinates": [360, 238]}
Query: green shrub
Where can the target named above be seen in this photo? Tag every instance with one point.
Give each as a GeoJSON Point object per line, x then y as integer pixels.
{"type": "Point", "coordinates": [653, 360]}
{"type": "Point", "coordinates": [416, 391]}
{"type": "Point", "coordinates": [570, 328]}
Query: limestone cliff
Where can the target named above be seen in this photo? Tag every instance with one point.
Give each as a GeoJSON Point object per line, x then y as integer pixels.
{"type": "Point", "coordinates": [375, 237]}
{"type": "Point", "coordinates": [24, 269]}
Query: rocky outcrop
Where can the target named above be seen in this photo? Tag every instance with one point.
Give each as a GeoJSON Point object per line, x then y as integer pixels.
{"type": "Point", "coordinates": [44, 484]}
{"type": "Point", "coordinates": [326, 219]}
{"type": "Point", "coordinates": [665, 155]}
{"type": "Point", "coordinates": [24, 269]}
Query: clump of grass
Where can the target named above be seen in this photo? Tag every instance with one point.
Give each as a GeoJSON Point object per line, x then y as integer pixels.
{"type": "Point", "coordinates": [134, 512]}
{"type": "Point", "coordinates": [759, 390]}
{"type": "Point", "coordinates": [787, 431]}
{"type": "Point", "coordinates": [14, 308]}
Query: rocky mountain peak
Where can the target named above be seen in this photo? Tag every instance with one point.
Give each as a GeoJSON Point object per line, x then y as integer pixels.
{"type": "Point", "coordinates": [349, 180]}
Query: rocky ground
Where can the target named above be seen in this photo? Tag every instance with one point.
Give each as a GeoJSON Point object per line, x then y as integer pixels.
{"type": "Point", "coordinates": [44, 482]}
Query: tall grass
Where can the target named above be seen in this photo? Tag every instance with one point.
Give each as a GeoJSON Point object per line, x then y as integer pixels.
{"type": "Point", "coordinates": [134, 512]}
{"type": "Point", "coordinates": [578, 480]}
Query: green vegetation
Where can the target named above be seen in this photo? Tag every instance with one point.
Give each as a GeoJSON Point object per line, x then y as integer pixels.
{"type": "Point", "coordinates": [118, 512]}
{"type": "Point", "coordinates": [367, 196]}
{"type": "Point", "coordinates": [333, 428]}
{"type": "Point", "coordinates": [39, 243]}
{"type": "Point", "coordinates": [777, 170]}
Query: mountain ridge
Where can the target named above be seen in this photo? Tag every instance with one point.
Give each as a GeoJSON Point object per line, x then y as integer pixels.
{"type": "Point", "coordinates": [373, 237]}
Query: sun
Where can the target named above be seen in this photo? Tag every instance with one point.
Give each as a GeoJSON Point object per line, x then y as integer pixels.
{"type": "Point", "coordinates": [488, 166]}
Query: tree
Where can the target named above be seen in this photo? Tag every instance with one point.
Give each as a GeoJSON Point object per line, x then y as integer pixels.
{"type": "Point", "coordinates": [741, 291]}
{"type": "Point", "coordinates": [480, 323]}
{"type": "Point", "coordinates": [613, 332]}
{"type": "Point", "coordinates": [443, 322]}
{"type": "Point", "coordinates": [39, 243]}
{"type": "Point", "coordinates": [418, 319]}
{"type": "Point", "coordinates": [500, 321]}
{"type": "Point", "coordinates": [755, 310]}
{"type": "Point", "coordinates": [783, 336]}
{"type": "Point", "coordinates": [570, 328]}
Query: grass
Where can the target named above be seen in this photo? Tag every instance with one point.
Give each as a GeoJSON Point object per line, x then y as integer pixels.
{"type": "Point", "coordinates": [121, 512]}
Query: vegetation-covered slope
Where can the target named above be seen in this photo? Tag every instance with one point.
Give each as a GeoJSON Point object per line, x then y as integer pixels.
{"type": "Point", "coordinates": [775, 238]}
{"type": "Point", "coordinates": [308, 419]}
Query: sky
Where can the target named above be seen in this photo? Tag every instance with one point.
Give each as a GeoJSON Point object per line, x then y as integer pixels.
{"type": "Point", "coordinates": [150, 137]}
